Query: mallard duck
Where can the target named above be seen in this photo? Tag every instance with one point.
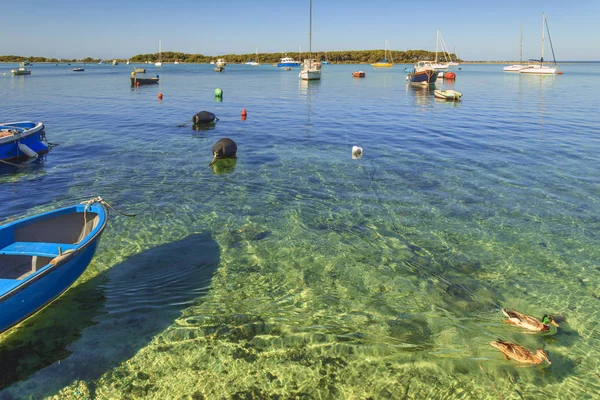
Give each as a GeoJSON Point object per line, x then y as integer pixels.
{"type": "Point", "coordinates": [524, 321]}
{"type": "Point", "coordinates": [520, 353]}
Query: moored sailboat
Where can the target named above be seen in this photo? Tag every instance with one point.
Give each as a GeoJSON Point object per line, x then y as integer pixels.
{"type": "Point", "coordinates": [159, 62]}
{"type": "Point", "coordinates": [385, 63]}
{"type": "Point", "coordinates": [311, 68]}
{"type": "Point", "coordinates": [541, 69]}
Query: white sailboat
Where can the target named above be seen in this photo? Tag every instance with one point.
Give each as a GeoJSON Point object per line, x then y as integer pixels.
{"type": "Point", "coordinates": [436, 64]}
{"type": "Point", "coordinates": [541, 69]}
{"type": "Point", "coordinates": [519, 66]}
{"type": "Point", "coordinates": [311, 68]}
{"type": "Point", "coordinates": [255, 62]}
{"type": "Point", "coordinates": [159, 62]}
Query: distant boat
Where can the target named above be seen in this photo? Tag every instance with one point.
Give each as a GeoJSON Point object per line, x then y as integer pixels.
{"type": "Point", "coordinates": [127, 62]}
{"type": "Point", "coordinates": [21, 70]}
{"type": "Point", "coordinates": [159, 62]}
{"type": "Point", "coordinates": [541, 69]}
{"type": "Point", "coordinates": [115, 62]}
{"type": "Point", "coordinates": [142, 81]}
{"type": "Point", "coordinates": [448, 94]}
{"type": "Point", "coordinates": [288, 62]}
{"type": "Point", "coordinates": [176, 62]}
{"type": "Point", "coordinates": [221, 62]}
{"type": "Point", "coordinates": [384, 63]}
{"type": "Point", "coordinates": [423, 73]}
{"type": "Point", "coordinates": [139, 70]}
{"type": "Point", "coordinates": [78, 69]}
{"type": "Point", "coordinates": [21, 141]}
{"type": "Point", "coordinates": [43, 255]}
{"type": "Point", "coordinates": [440, 42]}
{"type": "Point", "coordinates": [358, 74]}
{"type": "Point", "coordinates": [311, 68]}
{"type": "Point", "coordinates": [517, 67]}
{"type": "Point", "coordinates": [255, 62]}
{"type": "Point", "coordinates": [219, 68]}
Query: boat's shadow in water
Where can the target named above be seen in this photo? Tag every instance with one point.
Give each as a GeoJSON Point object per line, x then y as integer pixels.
{"type": "Point", "coordinates": [107, 319]}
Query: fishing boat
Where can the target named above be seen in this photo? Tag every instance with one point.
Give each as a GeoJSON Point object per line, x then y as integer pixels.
{"type": "Point", "coordinates": [139, 70]}
{"type": "Point", "coordinates": [311, 68]}
{"type": "Point", "coordinates": [288, 62]}
{"type": "Point", "coordinates": [142, 81]}
{"type": "Point", "coordinates": [78, 69]}
{"type": "Point", "coordinates": [21, 70]}
{"type": "Point", "coordinates": [358, 74]}
{"type": "Point", "coordinates": [423, 73]}
{"type": "Point", "coordinates": [540, 69]}
{"type": "Point", "coordinates": [384, 63]}
{"type": "Point", "coordinates": [219, 68]}
{"type": "Point", "coordinates": [447, 94]}
{"type": "Point", "coordinates": [22, 140]}
{"type": "Point", "coordinates": [159, 62]}
{"type": "Point", "coordinates": [43, 255]}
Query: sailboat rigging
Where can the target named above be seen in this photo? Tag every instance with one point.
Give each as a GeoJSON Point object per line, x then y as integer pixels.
{"type": "Point", "coordinates": [541, 69]}
{"type": "Point", "coordinates": [385, 63]}
{"type": "Point", "coordinates": [159, 62]}
{"type": "Point", "coordinates": [311, 68]}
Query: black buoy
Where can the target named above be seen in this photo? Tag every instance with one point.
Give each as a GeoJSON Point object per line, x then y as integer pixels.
{"type": "Point", "coordinates": [204, 117]}
{"type": "Point", "coordinates": [224, 148]}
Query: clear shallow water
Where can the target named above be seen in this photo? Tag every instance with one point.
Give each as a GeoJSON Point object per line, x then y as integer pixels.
{"type": "Point", "coordinates": [296, 270]}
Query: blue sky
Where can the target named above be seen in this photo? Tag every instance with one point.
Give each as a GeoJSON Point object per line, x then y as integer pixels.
{"type": "Point", "coordinates": [480, 30]}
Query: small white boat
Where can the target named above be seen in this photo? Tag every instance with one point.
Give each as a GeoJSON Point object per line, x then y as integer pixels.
{"type": "Point", "coordinates": [448, 94]}
{"type": "Point", "coordinates": [159, 62]}
{"type": "Point", "coordinates": [221, 62]}
{"type": "Point", "coordinates": [115, 62]}
{"type": "Point", "coordinates": [21, 70]}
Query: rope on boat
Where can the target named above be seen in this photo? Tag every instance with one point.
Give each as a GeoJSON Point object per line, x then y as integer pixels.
{"type": "Point", "coordinates": [104, 203]}
{"type": "Point", "coordinates": [12, 164]}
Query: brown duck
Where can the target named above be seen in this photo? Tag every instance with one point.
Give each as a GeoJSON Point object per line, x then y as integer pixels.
{"type": "Point", "coordinates": [520, 353]}
{"type": "Point", "coordinates": [527, 322]}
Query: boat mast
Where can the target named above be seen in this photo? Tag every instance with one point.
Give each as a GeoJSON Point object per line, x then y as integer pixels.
{"type": "Point", "coordinates": [521, 59]}
{"type": "Point", "coordinates": [310, 33]}
{"type": "Point", "coordinates": [543, 18]}
{"type": "Point", "coordinates": [437, 37]}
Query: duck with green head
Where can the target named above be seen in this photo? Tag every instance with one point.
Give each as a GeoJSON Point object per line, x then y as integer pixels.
{"type": "Point", "coordinates": [527, 322]}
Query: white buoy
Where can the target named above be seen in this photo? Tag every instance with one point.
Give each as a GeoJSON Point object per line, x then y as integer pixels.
{"type": "Point", "coordinates": [27, 151]}
{"type": "Point", "coordinates": [357, 152]}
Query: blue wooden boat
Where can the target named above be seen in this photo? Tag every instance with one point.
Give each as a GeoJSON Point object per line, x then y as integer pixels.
{"type": "Point", "coordinates": [43, 255]}
{"type": "Point", "coordinates": [423, 73]}
{"type": "Point", "coordinates": [22, 140]}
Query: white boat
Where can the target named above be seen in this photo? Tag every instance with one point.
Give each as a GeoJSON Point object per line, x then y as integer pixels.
{"type": "Point", "coordinates": [447, 94]}
{"type": "Point", "coordinates": [540, 69]}
{"type": "Point", "coordinates": [128, 62]}
{"type": "Point", "coordinates": [520, 66]}
{"type": "Point", "coordinates": [311, 68]}
{"type": "Point", "coordinates": [159, 62]}
{"type": "Point", "coordinates": [21, 70]}
{"type": "Point", "coordinates": [439, 42]}
{"type": "Point", "coordinates": [176, 62]}
{"type": "Point", "coordinates": [250, 62]}
{"type": "Point", "coordinates": [115, 62]}
{"type": "Point", "coordinates": [221, 62]}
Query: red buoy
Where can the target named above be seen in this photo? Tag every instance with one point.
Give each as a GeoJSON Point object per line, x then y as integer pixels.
{"type": "Point", "coordinates": [244, 113]}
{"type": "Point", "coordinates": [450, 75]}
{"type": "Point", "coordinates": [559, 72]}
{"type": "Point", "coordinates": [160, 96]}
{"type": "Point", "coordinates": [137, 84]}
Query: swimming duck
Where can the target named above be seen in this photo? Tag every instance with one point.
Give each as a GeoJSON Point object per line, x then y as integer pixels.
{"type": "Point", "coordinates": [524, 321]}
{"type": "Point", "coordinates": [520, 353]}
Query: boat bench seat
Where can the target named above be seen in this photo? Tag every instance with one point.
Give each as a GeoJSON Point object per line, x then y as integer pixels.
{"type": "Point", "coordinates": [36, 249]}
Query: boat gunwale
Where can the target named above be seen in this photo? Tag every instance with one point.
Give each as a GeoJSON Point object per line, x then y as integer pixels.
{"type": "Point", "coordinates": [102, 213]}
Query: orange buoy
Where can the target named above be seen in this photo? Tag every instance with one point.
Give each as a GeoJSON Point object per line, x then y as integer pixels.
{"type": "Point", "coordinates": [450, 75]}
{"type": "Point", "coordinates": [243, 117]}
{"type": "Point", "coordinates": [160, 96]}
{"type": "Point", "coordinates": [137, 83]}
{"type": "Point", "coordinates": [244, 113]}
{"type": "Point", "coordinates": [559, 72]}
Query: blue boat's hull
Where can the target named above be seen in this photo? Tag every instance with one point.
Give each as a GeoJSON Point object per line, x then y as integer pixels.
{"type": "Point", "coordinates": [288, 64]}
{"type": "Point", "coordinates": [423, 77]}
{"type": "Point", "coordinates": [23, 296]}
{"type": "Point", "coordinates": [29, 133]}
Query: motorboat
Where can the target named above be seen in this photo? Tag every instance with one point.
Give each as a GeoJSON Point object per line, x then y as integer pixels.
{"type": "Point", "coordinates": [423, 73]}
{"type": "Point", "coordinates": [288, 62]}
{"type": "Point", "coordinates": [21, 70]}
{"type": "Point", "coordinates": [447, 94]}
{"type": "Point", "coordinates": [22, 140]}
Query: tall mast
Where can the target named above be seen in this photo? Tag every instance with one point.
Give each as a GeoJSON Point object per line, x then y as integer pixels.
{"type": "Point", "coordinates": [310, 33]}
{"type": "Point", "coordinates": [543, 18]}
{"type": "Point", "coordinates": [436, 44]}
{"type": "Point", "coordinates": [521, 59]}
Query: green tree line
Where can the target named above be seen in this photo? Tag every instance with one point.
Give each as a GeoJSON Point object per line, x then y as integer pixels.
{"type": "Point", "coordinates": [335, 57]}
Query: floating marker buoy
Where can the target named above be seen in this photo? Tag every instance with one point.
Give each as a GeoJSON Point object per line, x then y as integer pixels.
{"type": "Point", "coordinates": [223, 148]}
{"type": "Point", "coordinates": [137, 84]}
{"type": "Point", "coordinates": [204, 117]}
{"type": "Point", "coordinates": [559, 73]}
{"type": "Point", "coordinates": [357, 152]}
{"type": "Point", "coordinates": [244, 113]}
{"type": "Point", "coordinates": [450, 75]}
{"type": "Point", "coordinates": [218, 92]}
{"type": "Point", "coordinates": [160, 96]}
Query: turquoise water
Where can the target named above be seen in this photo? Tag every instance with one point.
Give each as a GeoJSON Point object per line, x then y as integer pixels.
{"type": "Point", "coordinates": [296, 270]}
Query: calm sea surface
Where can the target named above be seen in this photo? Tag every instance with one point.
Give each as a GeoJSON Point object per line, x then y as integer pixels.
{"type": "Point", "coordinates": [296, 270]}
